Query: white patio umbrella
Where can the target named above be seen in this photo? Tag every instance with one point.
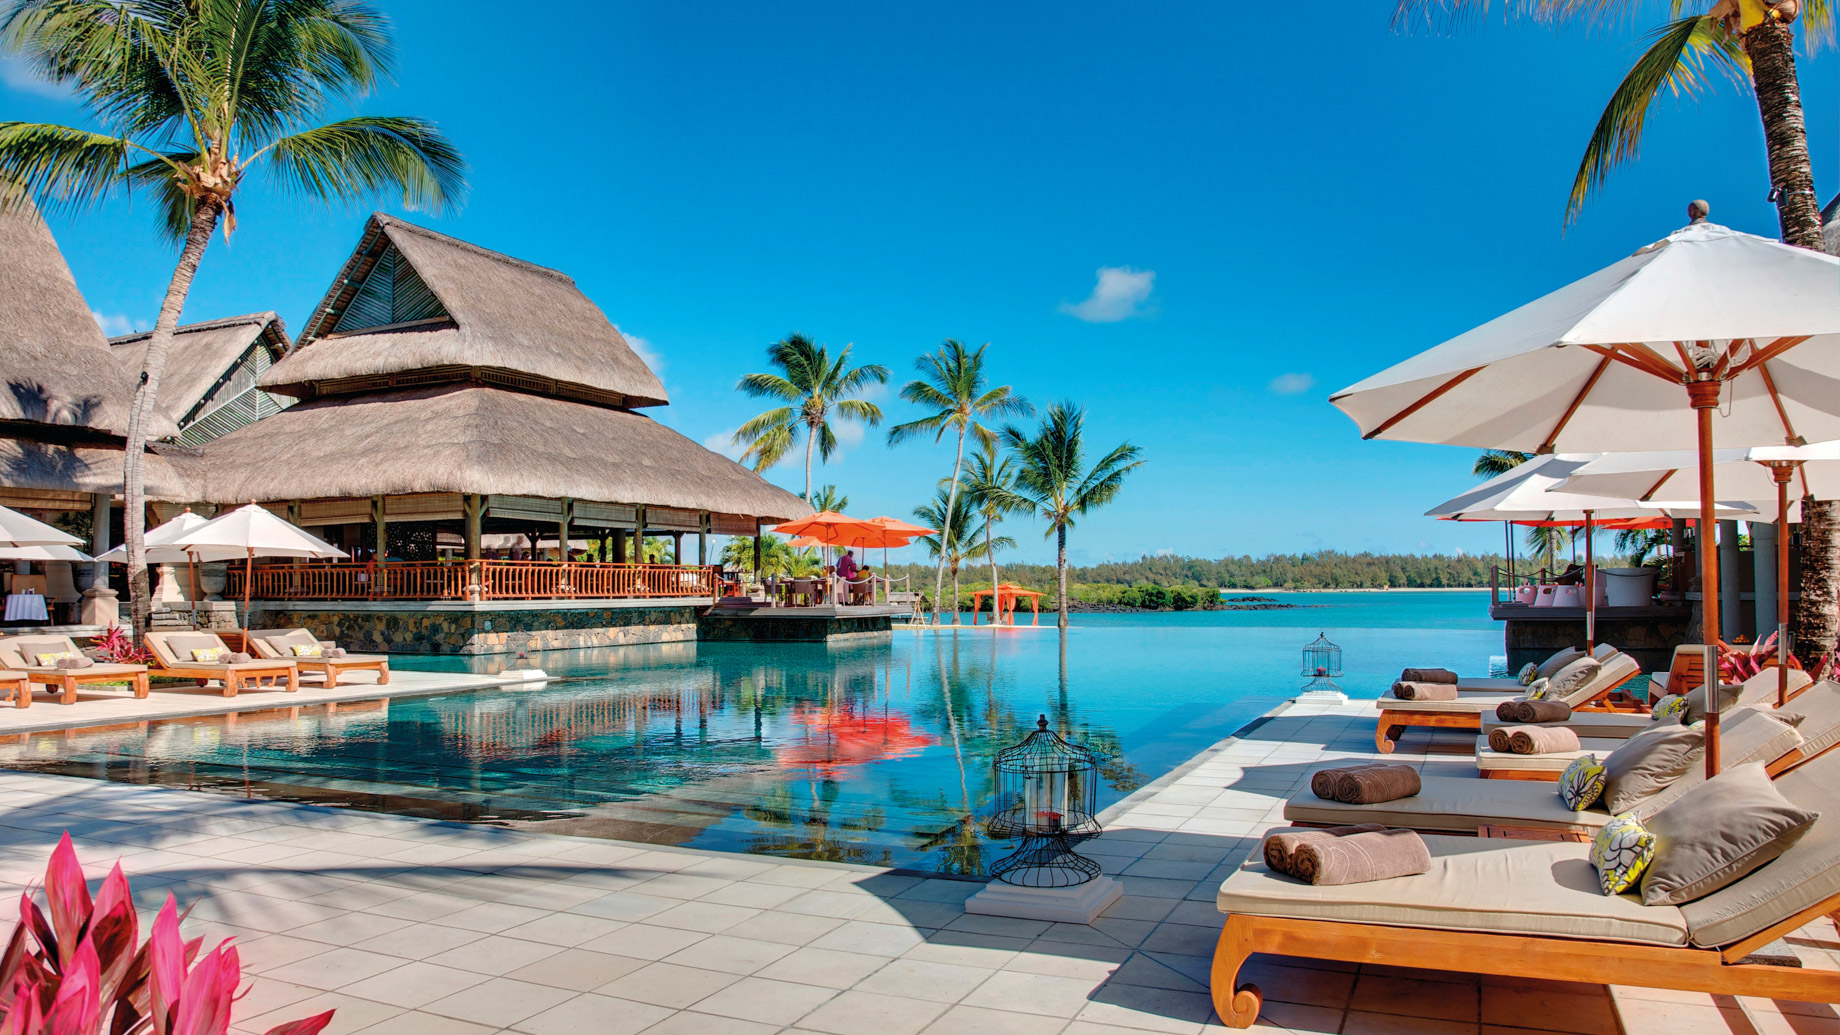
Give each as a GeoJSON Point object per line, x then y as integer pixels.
{"type": "Point", "coordinates": [1706, 327]}
{"type": "Point", "coordinates": [18, 530]}
{"type": "Point", "coordinates": [159, 550]}
{"type": "Point", "coordinates": [1534, 491]}
{"type": "Point", "coordinates": [254, 532]}
{"type": "Point", "coordinates": [43, 553]}
{"type": "Point", "coordinates": [1761, 475]}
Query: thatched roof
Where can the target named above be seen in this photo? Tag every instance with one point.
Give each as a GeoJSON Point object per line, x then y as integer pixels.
{"type": "Point", "coordinates": [471, 438]}
{"type": "Point", "coordinates": [203, 355]}
{"type": "Point", "coordinates": [448, 305]}
{"type": "Point", "coordinates": [172, 473]}
{"type": "Point", "coordinates": [54, 362]}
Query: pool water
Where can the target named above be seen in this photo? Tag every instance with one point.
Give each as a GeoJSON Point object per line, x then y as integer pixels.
{"type": "Point", "coordinates": [873, 751]}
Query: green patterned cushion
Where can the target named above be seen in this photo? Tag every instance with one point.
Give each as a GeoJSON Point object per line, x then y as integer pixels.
{"type": "Point", "coordinates": [1529, 673]}
{"type": "Point", "coordinates": [1673, 706]}
{"type": "Point", "coordinates": [51, 659]}
{"type": "Point", "coordinates": [1582, 783]}
{"type": "Point", "coordinates": [210, 655]}
{"type": "Point", "coordinates": [307, 650]}
{"type": "Point", "coordinates": [1621, 851]}
{"type": "Point", "coordinates": [1539, 690]}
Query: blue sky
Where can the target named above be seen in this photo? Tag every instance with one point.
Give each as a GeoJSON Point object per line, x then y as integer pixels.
{"type": "Point", "coordinates": [1196, 223]}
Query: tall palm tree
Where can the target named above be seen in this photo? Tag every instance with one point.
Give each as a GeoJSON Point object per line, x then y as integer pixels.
{"type": "Point", "coordinates": [1052, 479]}
{"type": "Point", "coordinates": [1494, 462]}
{"type": "Point", "coordinates": [828, 498]}
{"type": "Point", "coordinates": [1753, 41]}
{"type": "Point", "coordinates": [990, 489]}
{"type": "Point", "coordinates": [957, 539]}
{"type": "Point", "coordinates": [952, 386]}
{"type": "Point", "coordinates": [187, 97]}
{"type": "Point", "coordinates": [812, 385]}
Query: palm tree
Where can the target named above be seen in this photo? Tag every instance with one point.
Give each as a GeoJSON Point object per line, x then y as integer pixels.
{"type": "Point", "coordinates": [811, 384]}
{"type": "Point", "coordinates": [828, 498]}
{"type": "Point", "coordinates": [990, 488]}
{"type": "Point", "coordinates": [188, 97]}
{"type": "Point", "coordinates": [1053, 481]}
{"type": "Point", "coordinates": [1494, 462]}
{"type": "Point", "coordinates": [952, 386]}
{"type": "Point", "coordinates": [1751, 41]}
{"type": "Point", "coordinates": [956, 541]}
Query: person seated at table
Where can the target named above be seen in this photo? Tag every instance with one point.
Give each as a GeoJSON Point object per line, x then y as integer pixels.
{"type": "Point", "coordinates": [846, 566]}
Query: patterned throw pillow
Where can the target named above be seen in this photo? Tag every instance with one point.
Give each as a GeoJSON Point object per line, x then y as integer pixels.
{"type": "Point", "coordinates": [1582, 783]}
{"type": "Point", "coordinates": [1673, 706]}
{"type": "Point", "coordinates": [210, 654]}
{"type": "Point", "coordinates": [1539, 689]}
{"type": "Point", "coordinates": [308, 650]}
{"type": "Point", "coordinates": [51, 660]}
{"type": "Point", "coordinates": [1529, 672]}
{"type": "Point", "coordinates": [1621, 851]}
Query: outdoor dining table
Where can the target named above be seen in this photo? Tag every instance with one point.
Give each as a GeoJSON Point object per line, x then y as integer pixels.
{"type": "Point", "coordinates": [26, 607]}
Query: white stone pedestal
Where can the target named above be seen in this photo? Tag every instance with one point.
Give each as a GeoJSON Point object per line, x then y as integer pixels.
{"type": "Point", "coordinates": [1079, 904]}
{"type": "Point", "coordinates": [1322, 697]}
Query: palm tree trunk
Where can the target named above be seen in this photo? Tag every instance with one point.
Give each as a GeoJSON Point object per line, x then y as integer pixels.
{"type": "Point", "coordinates": [1771, 47]}
{"type": "Point", "coordinates": [945, 534]}
{"type": "Point", "coordinates": [990, 552]}
{"type": "Point", "coordinates": [1815, 625]}
{"type": "Point", "coordinates": [955, 593]}
{"type": "Point", "coordinates": [1060, 566]}
{"type": "Point", "coordinates": [811, 438]}
{"type": "Point", "coordinates": [141, 410]}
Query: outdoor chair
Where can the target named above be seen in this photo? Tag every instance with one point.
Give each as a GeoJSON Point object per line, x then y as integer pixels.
{"type": "Point", "coordinates": [280, 644]}
{"type": "Point", "coordinates": [172, 652]}
{"type": "Point", "coordinates": [1534, 909]}
{"type": "Point", "coordinates": [21, 653]}
{"type": "Point", "coordinates": [1511, 684]}
{"type": "Point", "coordinates": [1467, 805]}
{"type": "Point", "coordinates": [1467, 711]}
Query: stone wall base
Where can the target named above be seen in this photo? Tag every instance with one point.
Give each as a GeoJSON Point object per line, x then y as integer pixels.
{"type": "Point", "coordinates": [1650, 641]}
{"type": "Point", "coordinates": [767, 627]}
{"type": "Point", "coordinates": [486, 631]}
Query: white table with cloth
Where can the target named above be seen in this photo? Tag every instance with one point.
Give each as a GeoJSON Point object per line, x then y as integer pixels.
{"type": "Point", "coordinates": [26, 607]}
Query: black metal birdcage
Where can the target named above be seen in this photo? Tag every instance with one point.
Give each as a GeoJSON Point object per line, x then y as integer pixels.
{"type": "Point", "coordinates": [1322, 661]}
{"type": "Point", "coordinates": [1047, 792]}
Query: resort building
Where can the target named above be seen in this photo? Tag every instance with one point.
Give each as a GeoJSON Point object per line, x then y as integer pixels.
{"type": "Point", "coordinates": [440, 394]}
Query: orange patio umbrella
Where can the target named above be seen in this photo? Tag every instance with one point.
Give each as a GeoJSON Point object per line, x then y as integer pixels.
{"type": "Point", "coordinates": [1008, 593]}
{"type": "Point", "coordinates": [826, 527]}
{"type": "Point", "coordinates": [834, 738]}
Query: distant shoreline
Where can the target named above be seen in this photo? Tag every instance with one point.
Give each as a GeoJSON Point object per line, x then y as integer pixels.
{"type": "Point", "coordinates": [1366, 589]}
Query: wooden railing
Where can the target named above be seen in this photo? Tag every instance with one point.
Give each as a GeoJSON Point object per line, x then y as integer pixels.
{"type": "Point", "coordinates": [473, 580]}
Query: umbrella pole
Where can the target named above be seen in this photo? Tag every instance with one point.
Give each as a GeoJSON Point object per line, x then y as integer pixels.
{"type": "Point", "coordinates": [1590, 587]}
{"type": "Point", "coordinates": [194, 567]}
{"type": "Point", "coordinates": [249, 575]}
{"type": "Point", "coordinates": [1704, 395]}
{"type": "Point", "coordinates": [1782, 473]}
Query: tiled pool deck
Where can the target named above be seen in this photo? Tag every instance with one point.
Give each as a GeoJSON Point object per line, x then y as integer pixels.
{"type": "Point", "coordinates": [411, 926]}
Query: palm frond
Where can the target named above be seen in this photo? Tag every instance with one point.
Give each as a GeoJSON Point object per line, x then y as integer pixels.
{"type": "Point", "coordinates": [769, 386]}
{"type": "Point", "coordinates": [935, 423]}
{"type": "Point", "coordinates": [1675, 61]}
{"type": "Point", "coordinates": [368, 154]}
{"type": "Point", "coordinates": [860, 409]}
{"type": "Point", "coordinates": [858, 379]}
{"type": "Point", "coordinates": [920, 393]}
{"type": "Point", "coordinates": [1493, 462]}
{"type": "Point", "coordinates": [58, 165]}
{"type": "Point", "coordinates": [157, 177]}
{"type": "Point", "coordinates": [827, 441]}
{"type": "Point", "coordinates": [768, 444]}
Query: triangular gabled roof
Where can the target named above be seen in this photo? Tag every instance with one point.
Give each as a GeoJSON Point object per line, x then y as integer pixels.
{"type": "Point", "coordinates": [55, 365]}
{"type": "Point", "coordinates": [207, 367]}
{"type": "Point", "coordinates": [449, 308]}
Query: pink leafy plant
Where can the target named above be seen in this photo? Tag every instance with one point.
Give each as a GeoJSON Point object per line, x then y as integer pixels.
{"type": "Point", "coordinates": [116, 647]}
{"type": "Point", "coordinates": [82, 969]}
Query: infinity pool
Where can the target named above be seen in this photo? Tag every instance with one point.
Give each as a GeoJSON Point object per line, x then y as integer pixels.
{"type": "Point", "coordinates": [874, 752]}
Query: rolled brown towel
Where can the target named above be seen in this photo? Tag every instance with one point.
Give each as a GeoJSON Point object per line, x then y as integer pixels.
{"type": "Point", "coordinates": [1359, 858]}
{"type": "Point", "coordinates": [334, 652]}
{"type": "Point", "coordinates": [1373, 784]}
{"type": "Point", "coordinates": [1533, 711]}
{"type": "Point", "coordinates": [1428, 675]}
{"type": "Point", "coordinates": [238, 658]}
{"type": "Point", "coordinates": [1322, 782]}
{"type": "Point", "coordinates": [1498, 740]}
{"type": "Point", "coordinates": [76, 662]}
{"type": "Point", "coordinates": [1540, 740]}
{"type": "Point", "coordinates": [1282, 845]}
{"type": "Point", "coordinates": [1425, 691]}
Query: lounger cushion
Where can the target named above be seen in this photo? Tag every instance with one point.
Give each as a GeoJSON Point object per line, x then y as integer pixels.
{"type": "Point", "coordinates": [1696, 701]}
{"type": "Point", "coordinates": [1597, 725]}
{"type": "Point", "coordinates": [1728, 826]}
{"type": "Point", "coordinates": [1488, 885]}
{"type": "Point", "coordinates": [281, 643]}
{"type": "Point", "coordinates": [1551, 666]}
{"type": "Point", "coordinates": [1467, 704]}
{"type": "Point", "coordinates": [1575, 676]}
{"type": "Point", "coordinates": [1819, 707]}
{"type": "Point", "coordinates": [1805, 875]}
{"type": "Point", "coordinates": [183, 644]}
{"type": "Point", "coordinates": [1760, 689]}
{"type": "Point", "coordinates": [1548, 762]}
{"type": "Point", "coordinates": [1491, 686]}
{"type": "Point", "coordinates": [1452, 803]}
{"type": "Point", "coordinates": [1648, 762]}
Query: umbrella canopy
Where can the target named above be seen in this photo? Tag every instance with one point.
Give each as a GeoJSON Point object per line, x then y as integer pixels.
{"type": "Point", "coordinates": [826, 526]}
{"type": "Point", "coordinates": [18, 530]}
{"type": "Point", "coordinates": [43, 553]}
{"type": "Point", "coordinates": [1706, 333]}
{"type": "Point", "coordinates": [1743, 474]}
{"type": "Point", "coordinates": [1537, 491]}
{"type": "Point", "coordinates": [161, 551]}
{"type": "Point", "coordinates": [253, 531]}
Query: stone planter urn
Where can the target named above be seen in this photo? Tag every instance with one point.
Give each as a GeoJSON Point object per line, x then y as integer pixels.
{"type": "Point", "coordinates": [212, 578]}
{"type": "Point", "coordinates": [85, 575]}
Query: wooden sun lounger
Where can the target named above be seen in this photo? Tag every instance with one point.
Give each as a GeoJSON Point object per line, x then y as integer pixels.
{"type": "Point", "coordinates": [16, 654]}
{"type": "Point", "coordinates": [234, 677]}
{"type": "Point", "coordinates": [272, 643]}
{"type": "Point", "coordinates": [1466, 712]}
{"type": "Point", "coordinates": [18, 685]}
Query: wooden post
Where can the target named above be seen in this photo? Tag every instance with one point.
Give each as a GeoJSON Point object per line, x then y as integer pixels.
{"type": "Point", "coordinates": [381, 523]}
{"type": "Point", "coordinates": [639, 534]}
{"type": "Point", "coordinates": [617, 550]}
{"type": "Point", "coordinates": [677, 548]}
{"type": "Point", "coordinates": [474, 509]}
{"type": "Point", "coordinates": [757, 551]}
{"type": "Point", "coordinates": [562, 526]}
{"type": "Point", "coordinates": [702, 539]}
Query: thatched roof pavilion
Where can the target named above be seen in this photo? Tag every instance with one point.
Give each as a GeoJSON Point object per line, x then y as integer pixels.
{"type": "Point", "coordinates": [209, 388]}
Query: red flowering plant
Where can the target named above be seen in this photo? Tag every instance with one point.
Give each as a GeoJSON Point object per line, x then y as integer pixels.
{"type": "Point", "coordinates": [116, 647]}
{"type": "Point", "coordinates": [78, 967]}
{"type": "Point", "coordinates": [1739, 663]}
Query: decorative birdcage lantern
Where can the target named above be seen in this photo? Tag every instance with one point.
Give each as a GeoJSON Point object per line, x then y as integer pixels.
{"type": "Point", "coordinates": [1046, 794]}
{"type": "Point", "coordinates": [1322, 662]}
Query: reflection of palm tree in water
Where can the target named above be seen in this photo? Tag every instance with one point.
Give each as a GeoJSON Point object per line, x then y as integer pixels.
{"type": "Point", "coordinates": [813, 835]}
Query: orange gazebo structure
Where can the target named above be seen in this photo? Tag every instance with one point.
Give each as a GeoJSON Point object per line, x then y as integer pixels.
{"type": "Point", "coordinates": [1008, 596]}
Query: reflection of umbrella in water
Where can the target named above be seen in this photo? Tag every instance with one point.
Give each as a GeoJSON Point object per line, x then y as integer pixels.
{"type": "Point", "coordinates": [833, 739]}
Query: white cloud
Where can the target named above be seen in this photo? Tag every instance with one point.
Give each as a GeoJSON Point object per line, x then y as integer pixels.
{"type": "Point", "coordinates": [1166, 552]}
{"type": "Point", "coordinates": [849, 434]}
{"type": "Point", "coordinates": [1118, 295]}
{"type": "Point", "coordinates": [113, 326]}
{"type": "Point", "coordinates": [647, 352]}
{"type": "Point", "coordinates": [1292, 384]}
{"type": "Point", "coordinates": [16, 75]}
{"type": "Point", "coordinates": [724, 442]}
